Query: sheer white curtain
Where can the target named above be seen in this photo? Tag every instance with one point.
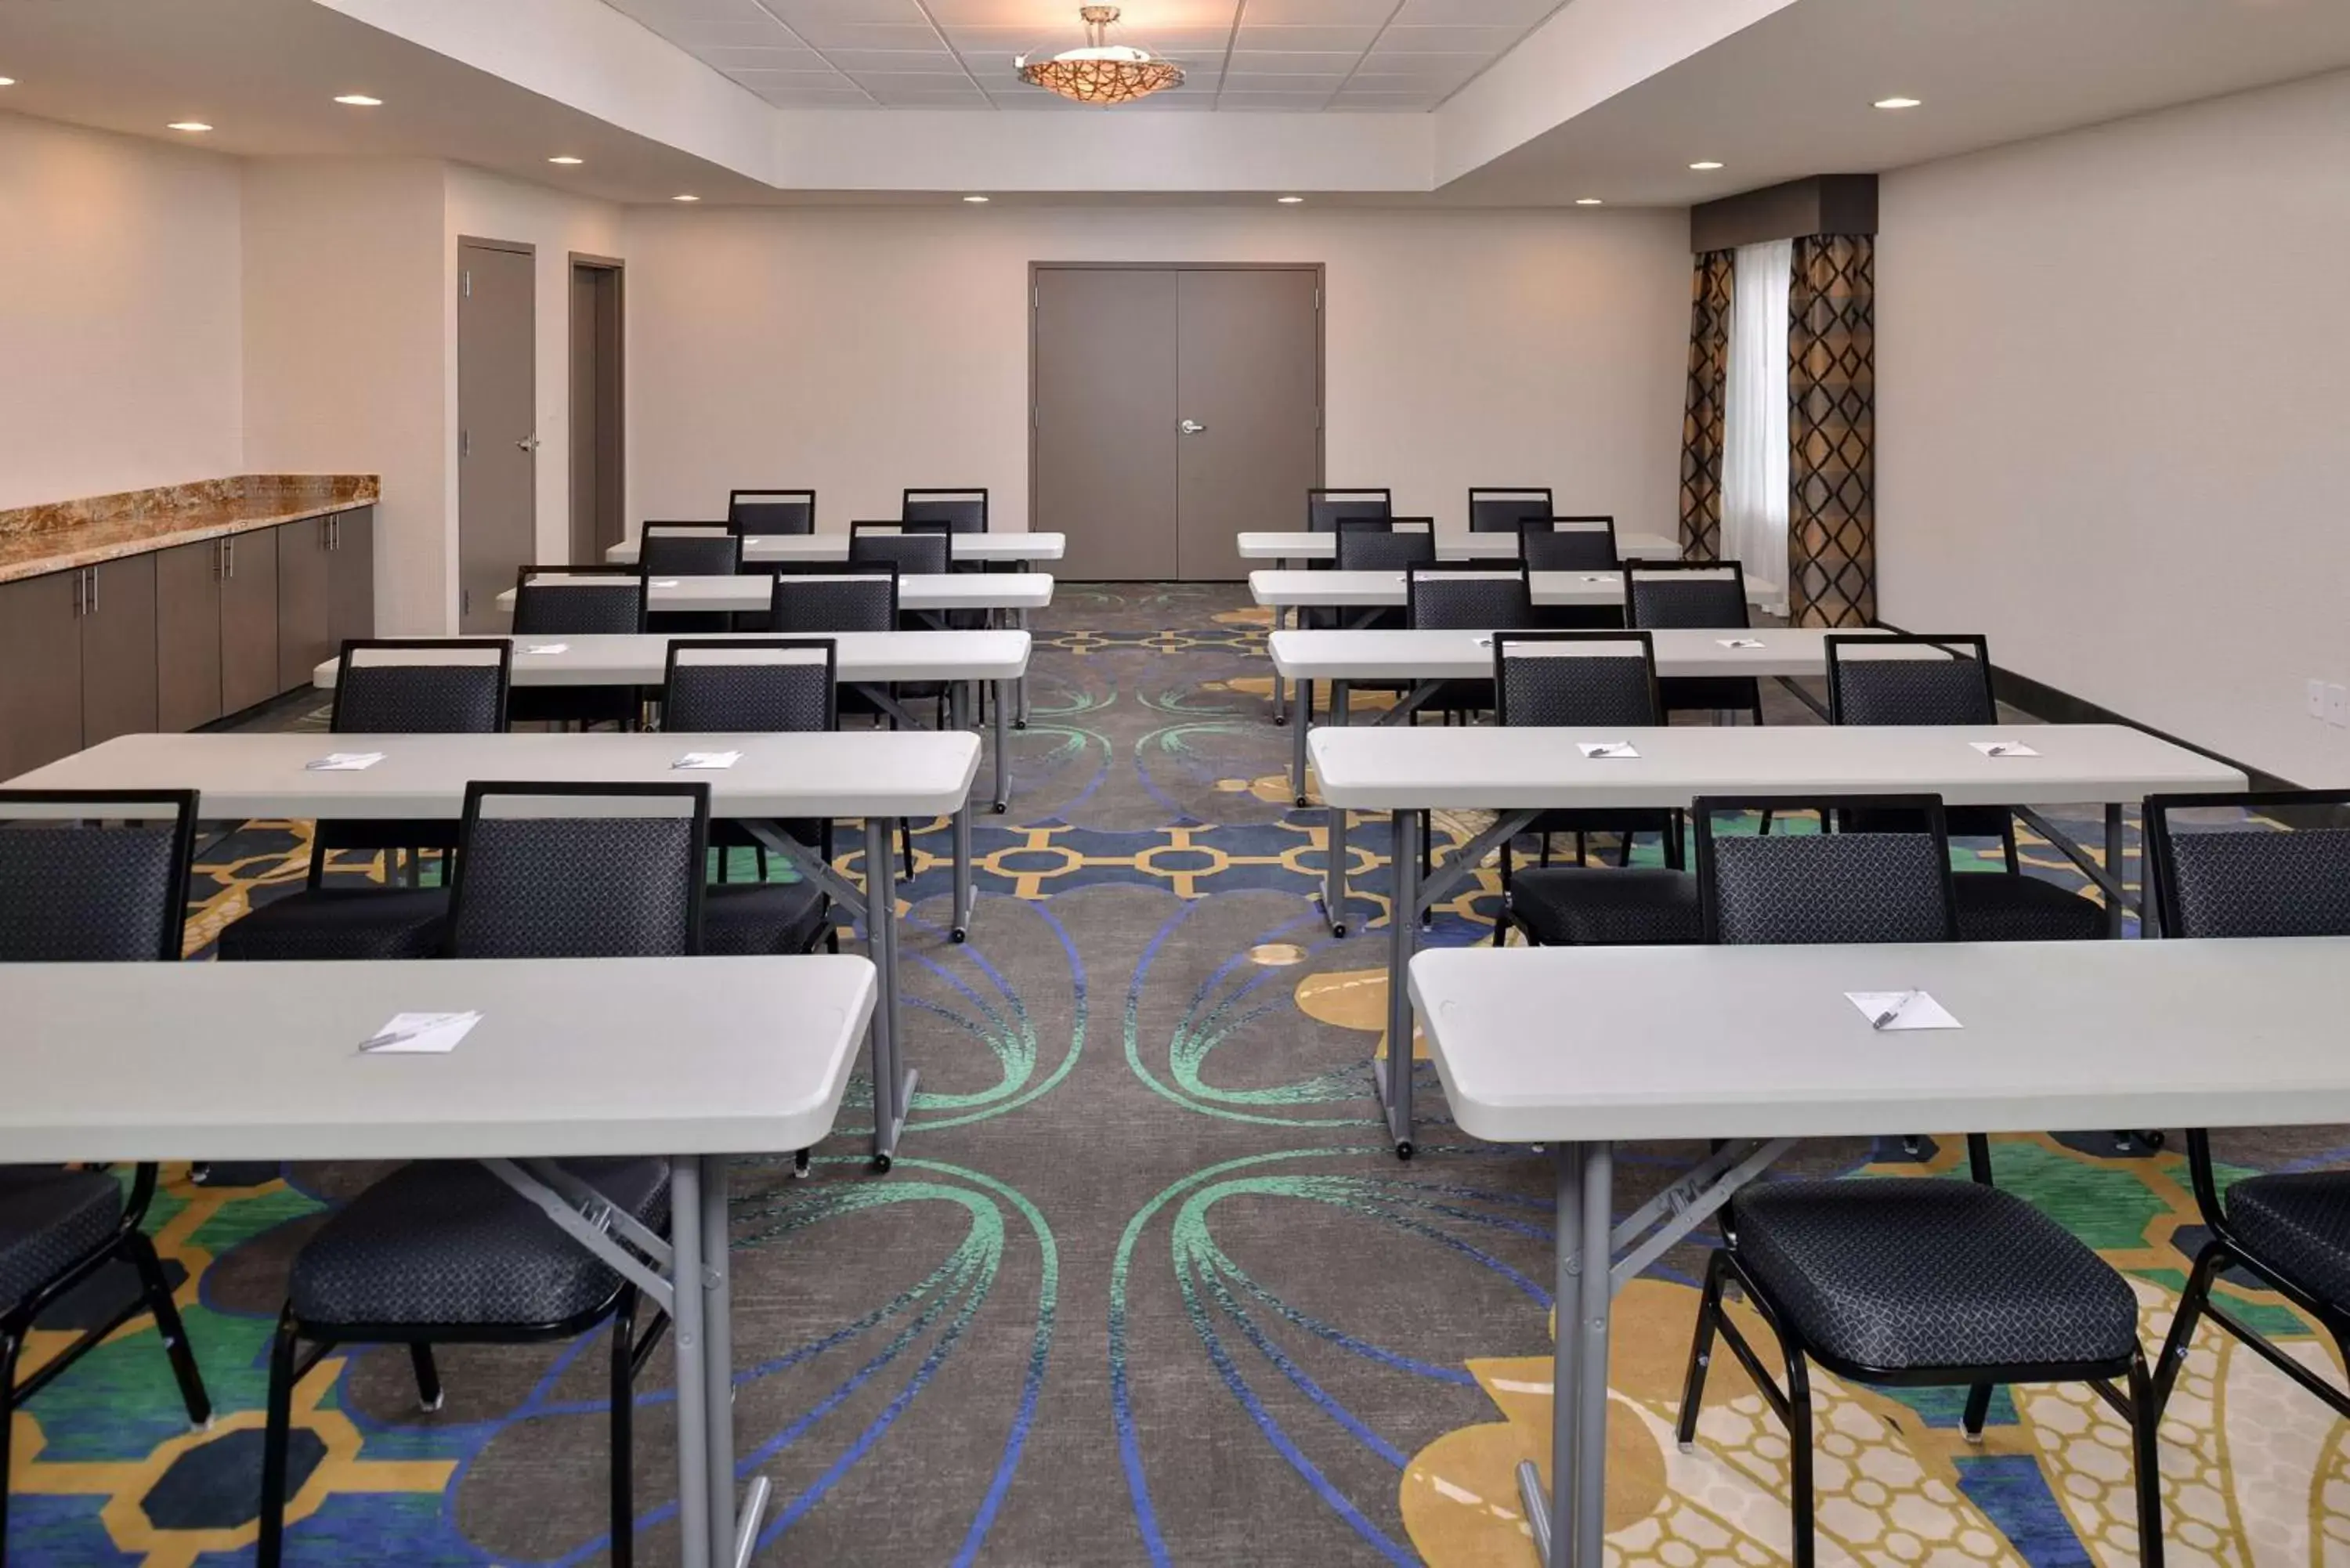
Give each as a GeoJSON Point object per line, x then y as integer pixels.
{"type": "Point", "coordinates": [1754, 423]}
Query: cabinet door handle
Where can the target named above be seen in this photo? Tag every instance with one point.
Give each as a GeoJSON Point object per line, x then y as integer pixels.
{"type": "Point", "coordinates": [78, 573]}
{"type": "Point", "coordinates": [89, 593]}
{"type": "Point", "coordinates": [228, 558]}
{"type": "Point", "coordinates": [334, 532]}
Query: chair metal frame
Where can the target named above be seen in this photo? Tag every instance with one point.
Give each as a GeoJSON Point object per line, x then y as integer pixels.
{"type": "Point", "coordinates": [738, 524]}
{"type": "Point", "coordinates": [1504, 493]}
{"type": "Point", "coordinates": [1353, 495]}
{"type": "Point", "coordinates": [917, 496]}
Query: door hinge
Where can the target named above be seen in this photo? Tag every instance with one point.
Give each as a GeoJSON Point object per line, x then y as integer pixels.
{"type": "Point", "coordinates": [464, 443]}
{"type": "Point", "coordinates": [465, 284]}
{"type": "Point", "coordinates": [1317, 298]}
{"type": "Point", "coordinates": [464, 601]}
{"type": "Point", "coordinates": [1036, 298]}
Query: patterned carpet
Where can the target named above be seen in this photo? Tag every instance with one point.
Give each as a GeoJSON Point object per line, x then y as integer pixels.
{"type": "Point", "coordinates": [1145, 1287]}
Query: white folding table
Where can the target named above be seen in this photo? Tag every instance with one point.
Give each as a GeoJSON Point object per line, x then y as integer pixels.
{"type": "Point", "coordinates": [1491, 545]}
{"type": "Point", "coordinates": [867, 661]}
{"type": "Point", "coordinates": [1758, 1046]}
{"type": "Point", "coordinates": [767, 549]}
{"type": "Point", "coordinates": [693, 1060]}
{"type": "Point", "coordinates": [925, 592]}
{"type": "Point", "coordinates": [1518, 774]}
{"type": "Point", "coordinates": [1428, 659]}
{"type": "Point", "coordinates": [878, 777]}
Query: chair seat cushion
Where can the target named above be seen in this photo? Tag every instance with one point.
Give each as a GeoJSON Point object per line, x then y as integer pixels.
{"type": "Point", "coordinates": [342, 923]}
{"type": "Point", "coordinates": [752, 919]}
{"type": "Point", "coordinates": [445, 1242]}
{"type": "Point", "coordinates": [1605, 906]}
{"type": "Point", "coordinates": [1898, 1274]}
{"type": "Point", "coordinates": [2298, 1225]}
{"type": "Point", "coordinates": [1995, 907]}
{"type": "Point", "coordinates": [50, 1219]}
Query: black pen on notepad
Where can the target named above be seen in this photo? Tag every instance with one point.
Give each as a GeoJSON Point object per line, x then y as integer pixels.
{"type": "Point", "coordinates": [1894, 1012]}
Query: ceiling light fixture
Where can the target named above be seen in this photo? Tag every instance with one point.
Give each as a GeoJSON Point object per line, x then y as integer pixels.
{"type": "Point", "coordinates": [1899, 102]}
{"type": "Point", "coordinates": [1703, 163]}
{"type": "Point", "coordinates": [685, 198]}
{"type": "Point", "coordinates": [359, 100]}
{"type": "Point", "coordinates": [187, 124]}
{"type": "Point", "coordinates": [1102, 72]}
{"type": "Point", "coordinates": [1589, 202]}
{"type": "Point", "coordinates": [567, 159]}
{"type": "Point", "coordinates": [976, 200]}
{"type": "Point", "coordinates": [8, 81]}
{"type": "Point", "coordinates": [1289, 200]}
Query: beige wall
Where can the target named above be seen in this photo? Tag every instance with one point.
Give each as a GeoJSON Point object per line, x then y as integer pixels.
{"type": "Point", "coordinates": [120, 360]}
{"type": "Point", "coordinates": [343, 353]}
{"type": "Point", "coordinates": [2114, 415]}
{"type": "Point", "coordinates": [860, 351]}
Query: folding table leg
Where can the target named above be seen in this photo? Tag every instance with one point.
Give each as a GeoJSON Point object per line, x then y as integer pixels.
{"type": "Point", "coordinates": [731, 1531]}
{"type": "Point", "coordinates": [893, 1090]}
{"type": "Point", "coordinates": [1403, 932]}
{"type": "Point", "coordinates": [695, 1484]}
{"type": "Point", "coordinates": [2116, 851]}
{"type": "Point", "coordinates": [1545, 1511]}
{"type": "Point", "coordinates": [1020, 715]}
{"type": "Point", "coordinates": [958, 702]}
{"type": "Point", "coordinates": [1588, 1516]}
{"type": "Point", "coordinates": [1280, 700]}
{"type": "Point", "coordinates": [1297, 740]}
{"type": "Point", "coordinates": [1002, 722]}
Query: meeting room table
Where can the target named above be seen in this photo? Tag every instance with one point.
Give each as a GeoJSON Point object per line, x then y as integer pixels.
{"type": "Point", "coordinates": [1021, 551]}
{"type": "Point", "coordinates": [1488, 544]}
{"type": "Point", "coordinates": [1756, 1047]}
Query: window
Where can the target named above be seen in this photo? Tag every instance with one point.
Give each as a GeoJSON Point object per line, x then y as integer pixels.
{"type": "Point", "coordinates": [1754, 432]}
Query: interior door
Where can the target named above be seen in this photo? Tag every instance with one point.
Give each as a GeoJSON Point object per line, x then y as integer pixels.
{"type": "Point", "coordinates": [497, 419]}
{"type": "Point", "coordinates": [597, 523]}
{"type": "Point", "coordinates": [1250, 390]}
{"type": "Point", "coordinates": [1103, 421]}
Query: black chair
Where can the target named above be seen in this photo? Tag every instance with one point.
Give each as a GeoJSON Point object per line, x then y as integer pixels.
{"type": "Point", "coordinates": [962, 508]}
{"type": "Point", "coordinates": [86, 876]}
{"type": "Point", "coordinates": [566, 601]}
{"type": "Point", "coordinates": [1572, 545]}
{"type": "Point", "coordinates": [1326, 509]}
{"type": "Point", "coordinates": [1919, 1282]}
{"type": "Point", "coordinates": [1590, 681]}
{"type": "Point", "coordinates": [386, 686]}
{"type": "Point", "coordinates": [1938, 679]}
{"type": "Point", "coordinates": [771, 511]}
{"type": "Point", "coordinates": [730, 686]}
{"type": "Point", "coordinates": [1466, 595]}
{"type": "Point", "coordinates": [689, 550]}
{"type": "Point", "coordinates": [442, 1251]}
{"type": "Point", "coordinates": [1694, 594]}
{"type": "Point", "coordinates": [1504, 510]}
{"type": "Point", "coordinates": [2289, 1233]}
{"type": "Point", "coordinates": [1385, 543]}
{"type": "Point", "coordinates": [841, 600]}
{"type": "Point", "coordinates": [914, 548]}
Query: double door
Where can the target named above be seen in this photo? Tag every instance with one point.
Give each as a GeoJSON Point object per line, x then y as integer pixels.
{"type": "Point", "coordinates": [1174, 408]}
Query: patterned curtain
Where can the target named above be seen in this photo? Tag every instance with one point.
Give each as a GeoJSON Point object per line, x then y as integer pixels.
{"type": "Point", "coordinates": [1709, 375]}
{"type": "Point", "coordinates": [1832, 431]}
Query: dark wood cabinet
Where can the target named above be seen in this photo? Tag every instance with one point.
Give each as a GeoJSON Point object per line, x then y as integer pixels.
{"type": "Point", "coordinates": [188, 635]}
{"type": "Point", "coordinates": [305, 607]}
{"type": "Point", "coordinates": [40, 670]}
{"type": "Point", "coordinates": [248, 623]}
{"type": "Point", "coordinates": [118, 665]}
{"type": "Point", "coordinates": [351, 577]}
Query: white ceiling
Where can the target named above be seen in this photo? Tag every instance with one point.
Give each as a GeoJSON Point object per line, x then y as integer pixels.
{"type": "Point", "coordinates": [1294, 56]}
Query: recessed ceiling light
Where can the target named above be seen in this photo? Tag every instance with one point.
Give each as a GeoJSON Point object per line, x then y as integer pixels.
{"type": "Point", "coordinates": [187, 124]}
{"type": "Point", "coordinates": [1899, 102]}
{"type": "Point", "coordinates": [564, 159]}
{"type": "Point", "coordinates": [359, 101]}
{"type": "Point", "coordinates": [1289, 200]}
{"type": "Point", "coordinates": [8, 81]}
{"type": "Point", "coordinates": [685, 198]}
{"type": "Point", "coordinates": [1589, 202]}
{"type": "Point", "coordinates": [1705, 164]}
{"type": "Point", "coordinates": [976, 200]}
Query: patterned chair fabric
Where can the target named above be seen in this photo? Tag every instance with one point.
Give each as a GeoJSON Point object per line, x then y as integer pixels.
{"type": "Point", "coordinates": [2299, 1223]}
{"type": "Point", "coordinates": [1701, 601]}
{"type": "Point", "coordinates": [2000, 909]}
{"type": "Point", "coordinates": [1326, 509]}
{"type": "Point", "coordinates": [1606, 905]}
{"type": "Point", "coordinates": [1477, 600]}
{"type": "Point", "coordinates": [863, 602]}
{"type": "Point", "coordinates": [1909, 690]}
{"type": "Point", "coordinates": [327, 922]}
{"type": "Point", "coordinates": [1544, 687]}
{"type": "Point", "coordinates": [2257, 882]}
{"type": "Point", "coordinates": [580, 607]}
{"type": "Point", "coordinates": [1831, 887]}
{"type": "Point", "coordinates": [576, 887]}
{"type": "Point", "coordinates": [391, 699]}
{"type": "Point", "coordinates": [78, 893]}
{"type": "Point", "coordinates": [50, 1219]}
{"type": "Point", "coordinates": [1502, 511]}
{"type": "Point", "coordinates": [445, 1242]}
{"type": "Point", "coordinates": [1923, 1273]}
{"type": "Point", "coordinates": [1372, 548]}
{"type": "Point", "coordinates": [962, 511]}
{"type": "Point", "coordinates": [679, 554]}
{"type": "Point", "coordinates": [771, 511]}
{"type": "Point", "coordinates": [922, 551]}
{"type": "Point", "coordinates": [708, 697]}
{"type": "Point", "coordinates": [1552, 549]}
{"type": "Point", "coordinates": [754, 919]}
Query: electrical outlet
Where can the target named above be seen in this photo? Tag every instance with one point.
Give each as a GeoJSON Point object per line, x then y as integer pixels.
{"type": "Point", "coordinates": [2317, 699]}
{"type": "Point", "coordinates": [2337, 707]}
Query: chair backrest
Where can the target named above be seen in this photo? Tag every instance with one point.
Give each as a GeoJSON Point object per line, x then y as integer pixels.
{"type": "Point", "coordinates": [714, 684]}
{"type": "Point", "coordinates": [1468, 598]}
{"type": "Point", "coordinates": [1825, 887]}
{"type": "Point", "coordinates": [579, 870]}
{"type": "Point", "coordinates": [1502, 511]}
{"type": "Point", "coordinates": [94, 875]}
{"type": "Point", "coordinates": [962, 509]}
{"type": "Point", "coordinates": [914, 548]}
{"type": "Point", "coordinates": [863, 600]}
{"type": "Point", "coordinates": [2244, 875]}
{"type": "Point", "coordinates": [771, 511]}
{"type": "Point", "coordinates": [1910, 680]}
{"type": "Point", "coordinates": [422, 686]}
{"type": "Point", "coordinates": [1685, 594]}
{"type": "Point", "coordinates": [689, 550]}
{"type": "Point", "coordinates": [1385, 543]}
{"type": "Point", "coordinates": [1569, 543]}
{"type": "Point", "coordinates": [1326, 508]}
{"type": "Point", "coordinates": [1580, 678]}
{"type": "Point", "coordinates": [583, 599]}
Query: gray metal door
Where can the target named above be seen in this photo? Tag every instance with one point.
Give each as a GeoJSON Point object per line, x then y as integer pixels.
{"type": "Point", "coordinates": [498, 420]}
{"type": "Point", "coordinates": [1250, 390]}
{"type": "Point", "coordinates": [1104, 421]}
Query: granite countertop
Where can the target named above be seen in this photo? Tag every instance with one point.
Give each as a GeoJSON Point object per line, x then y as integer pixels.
{"type": "Point", "coordinates": [59, 536]}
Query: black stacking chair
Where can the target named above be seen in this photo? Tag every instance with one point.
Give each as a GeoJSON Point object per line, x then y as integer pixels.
{"type": "Point", "coordinates": [1919, 1282]}
{"type": "Point", "coordinates": [771, 511]}
{"type": "Point", "coordinates": [1593, 682]}
{"type": "Point", "coordinates": [386, 686]}
{"type": "Point", "coordinates": [1466, 595]}
{"type": "Point", "coordinates": [1946, 680]}
{"type": "Point", "coordinates": [1502, 511]}
{"type": "Point", "coordinates": [74, 889]}
{"type": "Point", "coordinates": [1694, 594]}
{"type": "Point", "coordinates": [1571, 545]}
{"type": "Point", "coordinates": [1326, 509]}
{"type": "Point", "coordinates": [920, 549]}
{"type": "Point", "coordinates": [731, 686]}
{"type": "Point", "coordinates": [2289, 1233]}
{"type": "Point", "coordinates": [863, 600]}
{"type": "Point", "coordinates": [689, 550]}
{"type": "Point", "coordinates": [565, 602]}
{"type": "Point", "coordinates": [1380, 544]}
{"type": "Point", "coordinates": [442, 1251]}
{"type": "Point", "coordinates": [962, 508]}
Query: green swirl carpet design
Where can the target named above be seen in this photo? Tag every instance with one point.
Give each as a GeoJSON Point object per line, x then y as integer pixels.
{"type": "Point", "coordinates": [1146, 1286]}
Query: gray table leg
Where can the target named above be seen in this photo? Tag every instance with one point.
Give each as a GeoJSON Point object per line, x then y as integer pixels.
{"type": "Point", "coordinates": [892, 1093]}
{"type": "Point", "coordinates": [2117, 906]}
{"type": "Point", "coordinates": [1003, 746]}
{"type": "Point", "coordinates": [1020, 715]}
{"type": "Point", "coordinates": [959, 710]}
{"type": "Point", "coordinates": [1403, 933]}
{"type": "Point", "coordinates": [695, 1484]}
{"type": "Point", "coordinates": [718, 1354]}
{"type": "Point", "coordinates": [1588, 1515]}
{"type": "Point", "coordinates": [1280, 698]}
{"type": "Point", "coordinates": [1548, 1512]}
{"type": "Point", "coordinates": [1334, 869]}
{"type": "Point", "coordinates": [1297, 739]}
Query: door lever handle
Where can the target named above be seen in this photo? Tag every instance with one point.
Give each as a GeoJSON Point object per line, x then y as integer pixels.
{"type": "Point", "coordinates": [528, 443]}
{"type": "Point", "coordinates": [1190, 427]}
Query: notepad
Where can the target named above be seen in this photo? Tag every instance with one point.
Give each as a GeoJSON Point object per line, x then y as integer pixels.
{"type": "Point", "coordinates": [548, 648]}
{"type": "Point", "coordinates": [707, 760]}
{"type": "Point", "coordinates": [2003, 748]}
{"type": "Point", "coordinates": [1738, 642]}
{"type": "Point", "coordinates": [343, 762]}
{"type": "Point", "coordinates": [1890, 1012]}
{"type": "Point", "coordinates": [664, 582]}
{"type": "Point", "coordinates": [1597, 577]}
{"type": "Point", "coordinates": [1609, 749]}
{"type": "Point", "coordinates": [420, 1034]}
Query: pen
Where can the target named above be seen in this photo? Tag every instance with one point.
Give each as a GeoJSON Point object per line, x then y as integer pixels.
{"type": "Point", "coordinates": [1894, 1012]}
{"type": "Point", "coordinates": [402, 1036]}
